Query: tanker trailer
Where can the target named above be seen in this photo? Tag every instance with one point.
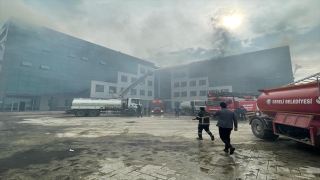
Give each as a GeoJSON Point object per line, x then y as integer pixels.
{"type": "Point", "coordinates": [185, 107]}
{"type": "Point", "coordinates": [291, 111]}
{"type": "Point", "coordinates": [93, 107]}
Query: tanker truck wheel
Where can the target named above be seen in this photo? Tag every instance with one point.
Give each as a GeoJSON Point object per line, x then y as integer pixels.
{"type": "Point", "coordinates": [259, 131]}
{"type": "Point", "coordinates": [81, 113]}
{"type": "Point", "coordinates": [93, 113]}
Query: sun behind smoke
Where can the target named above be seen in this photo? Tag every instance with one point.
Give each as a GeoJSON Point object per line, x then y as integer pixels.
{"type": "Point", "coordinates": [232, 21]}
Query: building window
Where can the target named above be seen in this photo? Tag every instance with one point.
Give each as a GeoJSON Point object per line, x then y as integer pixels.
{"type": "Point", "coordinates": [124, 79]}
{"type": "Point", "coordinates": [203, 93]}
{"type": "Point", "coordinates": [99, 88]}
{"type": "Point", "coordinates": [176, 84]}
{"type": "Point", "coordinates": [184, 94]}
{"type": "Point", "coordinates": [142, 71]}
{"type": "Point", "coordinates": [142, 92]}
{"type": "Point", "coordinates": [133, 92]}
{"type": "Point", "coordinates": [112, 89]}
{"type": "Point", "coordinates": [149, 93]}
{"type": "Point", "coordinates": [176, 94]}
{"type": "Point", "coordinates": [85, 58]}
{"type": "Point", "coordinates": [133, 80]}
{"type": "Point", "coordinates": [193, 93]}
{"type": "Point", "coordinates": [193, 83]}
{"type": "Point", "coordinates": [150, 83]}
{"type": "Point", "coordinates": [202, 82]}
{"type": "Point", "coordinates": [44, 67]}
{"type": "Point", "coordinates": [24, 63]}
{"type": "Point", "coordinates": [122, 88]}
{"type": "Point", "coordinates": [183, 84]}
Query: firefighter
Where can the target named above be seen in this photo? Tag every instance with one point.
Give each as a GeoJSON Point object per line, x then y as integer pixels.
{"type": "Point", "coordinates": [243, 112]}
{"type": "Point", "coordinates": [177, 110]}
{"type": "Point", "coordinates": [139, 113]}
{"type": "Point", "coordinates": [204, 123]}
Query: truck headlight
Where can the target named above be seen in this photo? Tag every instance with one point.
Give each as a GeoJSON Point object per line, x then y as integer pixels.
{"type": "Point", "coordinates": [257, 113]}
{"type": "Point", "coordinates": [152, 111]}
{"type": "Point", "coordinates": [161, 111]}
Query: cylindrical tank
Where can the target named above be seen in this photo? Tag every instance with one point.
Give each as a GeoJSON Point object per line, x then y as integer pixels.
{"type": "Point", "coordinates": [185, 105]}
{"type": "Point", "coordinates": [296, 99]}
{"type": "Point", "coordinates": [108, 103]}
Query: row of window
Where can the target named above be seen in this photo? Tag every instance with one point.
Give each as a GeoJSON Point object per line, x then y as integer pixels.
{"type": "Point", "coordinates": [113, 89]}
{"type": "Point", "coordinates": [191, 83]}
{"type": "Point", "coordinates": [29, 64]}
{"type": "Point", "coordinates": [125, 79]}
{"type": "Point", "coordinates": [194, 93]}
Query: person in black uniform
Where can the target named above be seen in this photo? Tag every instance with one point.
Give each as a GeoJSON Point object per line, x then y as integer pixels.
{"type": "Point", "coordinates": [204, 123]}
{"type": "Point", "coordinates": [139, 111]}
{"type": "Point", "coordinates": [243, 112]}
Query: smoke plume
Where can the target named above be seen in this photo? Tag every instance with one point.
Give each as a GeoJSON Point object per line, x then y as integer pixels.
{"type": "Point", "coordinates": [221, 34]}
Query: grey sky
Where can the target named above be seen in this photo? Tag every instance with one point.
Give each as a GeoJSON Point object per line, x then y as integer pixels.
{"type": "Point", "coordinates": [170, 32]}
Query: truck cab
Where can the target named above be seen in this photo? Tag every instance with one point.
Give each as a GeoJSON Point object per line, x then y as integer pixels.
{"type": "Point", "coordinates": [156, 107]}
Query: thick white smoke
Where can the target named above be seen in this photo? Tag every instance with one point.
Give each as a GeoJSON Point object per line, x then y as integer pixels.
{"type": "Point", "coordinates": [221, 34]}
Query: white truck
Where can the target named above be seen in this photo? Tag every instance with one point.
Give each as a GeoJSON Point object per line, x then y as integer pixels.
{"type": "Point", "coordinates": [191, 107]}
{"type": "Point", "coordinates": [126, 106]}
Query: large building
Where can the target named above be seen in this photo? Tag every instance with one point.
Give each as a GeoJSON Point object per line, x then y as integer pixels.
{"type": "Point", "coordinates": [42, 69]}
{"type": "Point", "coordinates": [246, 73]}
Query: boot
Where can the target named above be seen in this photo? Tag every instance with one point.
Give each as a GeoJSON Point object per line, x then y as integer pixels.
{"type": "Point", "coordinates": [198, 138]}
{"type": "Point", "coordinates": [212, 138]}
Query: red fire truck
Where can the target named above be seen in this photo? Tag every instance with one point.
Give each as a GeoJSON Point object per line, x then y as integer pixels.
{"type": "Point", "coordinates": [156, 107]}
{"type": "Point", "coordinates": [292, 111]}
{"type": "Point", "coordinates": [233, 100]}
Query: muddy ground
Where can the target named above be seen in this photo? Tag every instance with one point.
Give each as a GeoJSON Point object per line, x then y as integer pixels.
{"type": "Point", "coordinates": [53, 145]}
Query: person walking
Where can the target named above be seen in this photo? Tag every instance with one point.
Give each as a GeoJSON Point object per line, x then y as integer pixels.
{"type": "Point", "coordinates": [227, 119]}
{"type": "Point", "coordinates": [139, 113]}
{"type": "Point", "coordinates": [204, 123]}
{"type": "Point", "coordinates": [243, 112]}
{"type": "Point", "coordinates": [177, 110]}
{"type": "Point", "coordinates": [145, 111]}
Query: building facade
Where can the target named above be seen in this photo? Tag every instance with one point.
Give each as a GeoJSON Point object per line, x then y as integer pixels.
{"type": "Point", "coordinates": [42, 69]}
{"type": "Point", "coordinates": [246, 73]}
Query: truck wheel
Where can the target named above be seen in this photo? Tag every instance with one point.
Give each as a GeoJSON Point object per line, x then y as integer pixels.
{"type": "Point", "coordinates": [258, 130]}
{"type": "Point", "coordinates": [93, 113]}
{"type": "Point", "coordinates": [81, 113]}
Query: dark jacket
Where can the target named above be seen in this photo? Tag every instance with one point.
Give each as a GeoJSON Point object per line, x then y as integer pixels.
{"type": "Point", "coordinates": [204, 118]}
{"type": "Point", "coordinates": [139, 109]}
{"type": "Point", "coordinates": [243, 110]}
{"type": "Point", "coordinates": [227, 118]}
{"type": "Point", "coordinates": [176, 109]}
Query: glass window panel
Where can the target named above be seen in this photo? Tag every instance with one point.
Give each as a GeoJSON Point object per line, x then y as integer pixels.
{"type": "Point", "coordinates": [193, 93]}
{"type": "Point", "coordinates": [149, 93]}
{"type": "Point", "coordinates": [112, 89]}
{"type": "Point", "coordinates": [193, 83]}
{"type": "Point", "coordinates": [99, 88]}
{"type": "Point", "coordinates": [176, 94]}
{"type": "Point", "coordinates": [202, 82]}
{"type": "Point", "coordinates": [184, 94]}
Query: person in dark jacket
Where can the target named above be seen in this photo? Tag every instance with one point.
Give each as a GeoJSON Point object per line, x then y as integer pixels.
{"type": "Point", "coordinates": [204, 123]}
{"type": "Point", "coordinates": [226, 120]}
{"type": "Point", "coordinates": [243, 112]}
{"type": "Point", "coordinates": [145, 111]}
{"type": "Point", "coordinates": [177, 110]}
{"type": "Point", "coordinates": [139, 111]}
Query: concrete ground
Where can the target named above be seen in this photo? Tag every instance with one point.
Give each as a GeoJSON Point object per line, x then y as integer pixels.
{"type": "Point", "coordinates": [52, 145]}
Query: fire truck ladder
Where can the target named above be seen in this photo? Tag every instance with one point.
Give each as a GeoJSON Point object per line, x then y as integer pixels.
{"type": "Point", "coordinates": [124, 91]}
{"type": "Point", "coordinates": [230, 94]}
{"type": "Point", "coordinates": [312, 78]}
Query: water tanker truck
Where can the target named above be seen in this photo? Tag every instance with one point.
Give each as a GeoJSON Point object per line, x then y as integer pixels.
{"type": "Point", "coordinates": [292, 111]}
{"type": "Point", "coordinates": [126, 106]}
{"type": "Point", "coordinates": [91, 107]}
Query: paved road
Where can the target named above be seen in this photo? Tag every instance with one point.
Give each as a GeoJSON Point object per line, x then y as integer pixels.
{"type": "Point", "coordinates": [37, 146]}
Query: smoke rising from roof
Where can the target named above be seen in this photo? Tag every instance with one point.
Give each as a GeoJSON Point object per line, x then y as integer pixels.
{"type": "Point", "coordinates": [221, 34]}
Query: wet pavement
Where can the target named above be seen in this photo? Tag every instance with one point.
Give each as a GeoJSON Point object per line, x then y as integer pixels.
{"type": "Point", "coordinates": [37, 146]}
